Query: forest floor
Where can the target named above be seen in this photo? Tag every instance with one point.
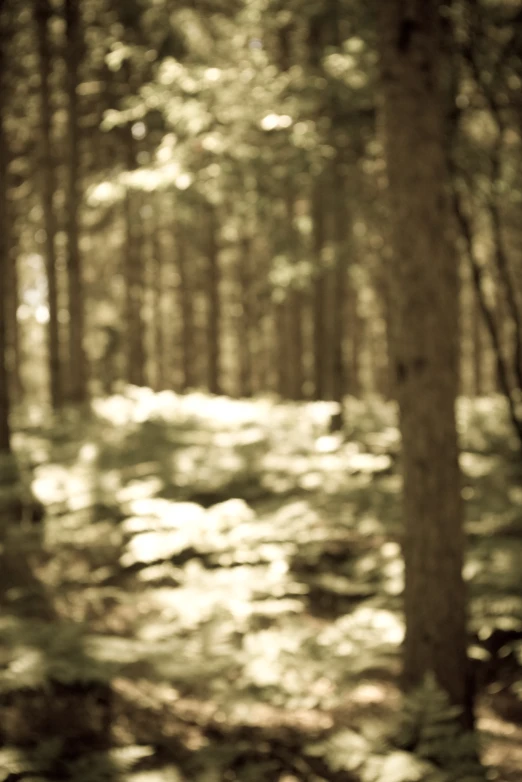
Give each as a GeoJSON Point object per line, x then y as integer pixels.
{"type": "Point", "coordinates": [221, 585]}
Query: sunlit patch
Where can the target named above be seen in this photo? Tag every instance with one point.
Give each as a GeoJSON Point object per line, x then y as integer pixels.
{"type": "Point", "coordinates": [139, 130]}
{"type": "Point", "coordinates": [105, 193]}
{"type": "Point", "coordinates": [229, 515]}
{"type": "Point", "coordinates": [328, 443]}
{"type": "Point", "coordinates": [212, 74]}
{"type": "Point", "coordinates": [273, 121]}
{"type": "Point", "coordinates": [367, 462]}
{"type": "Point", "coordinates": [370, 692]}
{"type": "Point", "coordinates": [88, 452]}
{"type": "Point", "coordinates": [147, 487]}
{"type": "Point", "coordinates": [183, 181]}
{"type": "Point", "coordinates": [310, 481]}
{"type": "Point", "coordinates": [42, 314]}
{"type": "Point", "coordinates": [54, 483]}
{"type": "Point", "coordinates": [390, 549]}
{"type": "Point", "coordinates": [476, 465]}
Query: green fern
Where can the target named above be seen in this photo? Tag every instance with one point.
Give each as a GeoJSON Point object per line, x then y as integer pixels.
{"type": "Point", "coordinates": [430, 728]}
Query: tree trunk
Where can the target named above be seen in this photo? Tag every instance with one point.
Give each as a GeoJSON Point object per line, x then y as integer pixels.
{"type": "Point", "coordinates": [186, 307]}
{"type": "Point", "coordinates": [339, 273]}
{"type": "Point", "coordinates": [244, 273]}
{"type": "Point", "coordinates": [158, 295]}
{"type": "Point", "coordinates": [424, 298]}
{"type": "Point", "coordinates": [478, 347]}
{"type": "Point", "coordinates": [294, 299]}
{"type": "Point", "coordinates": [42, 15]}
{"type": "Point", "coordinates": [353, 329]}
{"type": "Point", "coordinates": [77, 385]}
{"type": "Point", "coordinates": [319, 293]}
{"type": "Point", "coordinates": [280, 333]}
{"type": "Point", "coordinates": [213, 305]}
{"type": "Point", "coordinates": [295, 309]}
{"type": "Point", "coordinates": [134, 272]}
{"type": "Point", "coordinates": [12, 287]}
{"type": "Point", "coordinates": [5, 438]}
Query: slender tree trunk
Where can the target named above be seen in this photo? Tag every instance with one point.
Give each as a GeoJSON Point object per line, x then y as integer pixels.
{"type": "Point", "coordinates": [478, 347]}
{"type": "Point", "coordinates": [339, 274]}
{"type": "Point", "coordinates": [134, 278]}
{"type": "Point", "coordinates": [281, 348]}
{"type": "Point", "coordinates": [5, 434]}
{"type": "Point", "coordinates": [355, 330]}
{"type": "Point", "coordinates": [319, 293]}
{"type": "Point", "coordinates": [14, 362]}
{"type": "Point", "coordinates": [424, 296]}
{"type": "Point", "coordinates": [213, 304]}
{"type": "Point", "coordinates": [186, 306]}
{"type": "Point", "coordinates": [77, 386]}
{"type": "Point", "coordinates": [294, 300]}
{"type": "Point", "coordinates": [158, 293]}
{"type": "Point", "coordinates": [244, 337]}
{"type": "Point", "coordinates": [294, 336]}
{"type": "Point", "coordinates": [42, 15]}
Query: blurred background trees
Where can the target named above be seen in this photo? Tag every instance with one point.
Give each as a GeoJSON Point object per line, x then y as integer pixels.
{"type": "Point", "coordinates": [194, 198]}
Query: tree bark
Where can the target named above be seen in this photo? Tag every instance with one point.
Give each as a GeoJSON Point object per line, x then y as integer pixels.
{"type": "Point", "coordinates": [246, 283]}
{"type": "Point", "coordinates": [5, 434]}
{"type": "Point", "coordinates": [319, 293]}
{"type": "Point", "coordinates": [186, 307]}
{"type": "Point", "coordinates": [134, 273]}
{"type": "Point", "coordinates": [295, 310]}
{"type": "Point", "coordinates": [77, 385]}
{"type": "Point", "coordinates": [158, 296]}
{"type": "Point", "coordinates": [42, 15]}
{"type": "Point", "coordinates": [341, 228]}
{"type": "Point", "coordinates": [213, 305]}
{"type": "Point", "coordinates": [424, 289]}
{"type": "Point", "coordinates": [12, 286]}
{"type": "Point", "coordinates": [478, 347]}
{"type": "Point", "coordinates": [280, 333]}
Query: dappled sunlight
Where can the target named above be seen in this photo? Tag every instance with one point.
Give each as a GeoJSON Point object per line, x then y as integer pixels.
{"type": "Point", "coordinates": [476, 465]}
{"type": "Point", "coordinates": [242, 558]}
{"type": "Point", "coordinates": [59, 485]}
{"type": "Point", "coordinates": [368, 626]}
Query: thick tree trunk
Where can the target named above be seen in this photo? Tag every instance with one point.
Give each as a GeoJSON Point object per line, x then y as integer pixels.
{"type": "Point", "coordinates": [42, 15]}
{"type": "Point", "coordinates": [424, 297]}
{"type": "Point", "coordinates": [77, 385]}
{"type": "Point", "coordinates": [5, 439]}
